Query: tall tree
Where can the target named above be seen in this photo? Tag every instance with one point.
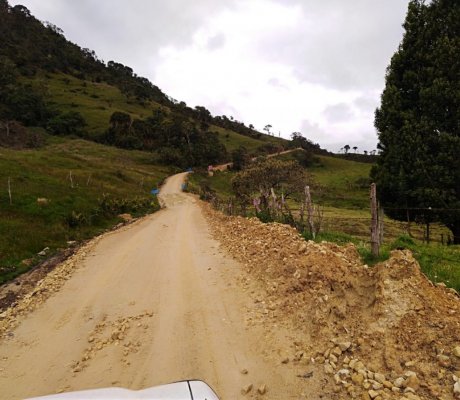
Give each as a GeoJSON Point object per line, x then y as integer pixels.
{"type": "Point", "coordinates": [418, 171]}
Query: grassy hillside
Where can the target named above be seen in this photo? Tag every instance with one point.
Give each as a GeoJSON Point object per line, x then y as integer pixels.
{"type": "Point", "coordinates": [95, 101]}
{"type": "Point", "coordinates": [342, 183]}
{"type": "Point", "coordinates": [233, 140]}
{"type": "Point", "coordinates": [337, 183]}
{"type": "Point", "coordinates": [86, 185]}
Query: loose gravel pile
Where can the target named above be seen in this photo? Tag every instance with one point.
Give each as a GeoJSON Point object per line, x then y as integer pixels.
{"type": "Point", "coordinates": [381, 332]}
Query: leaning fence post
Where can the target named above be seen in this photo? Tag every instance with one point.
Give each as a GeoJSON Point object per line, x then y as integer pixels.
{"type": "Point", "coordinates": [375, 236]}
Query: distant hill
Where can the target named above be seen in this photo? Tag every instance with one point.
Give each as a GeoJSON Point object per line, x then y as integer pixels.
{"type": "Point", "coordinates": [50, 82]}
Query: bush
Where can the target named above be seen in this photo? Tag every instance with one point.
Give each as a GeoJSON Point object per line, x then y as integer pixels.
{"type": "Point", "coordinates": [129, 142]}
{"type": "Point", "coordinates": [306, 158]}
{"type": "Point", "coordinates": [76, 219]}
{"type": "Point", "coordinates": [110, 206]}
{"type": "Point", "coordinates": [403, 242]}
{"type": "Point", "coordinates": [68, 123]}
{"type": "Point", "coordinates": [240, 158]}
{"type": "Point", "coordinates": [264, 216]}
{"type": "Point", "coordinates": [171, 156]}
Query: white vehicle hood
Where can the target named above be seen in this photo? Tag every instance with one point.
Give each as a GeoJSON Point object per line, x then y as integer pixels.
{"type": "Point", "coordinates": [186, 390]}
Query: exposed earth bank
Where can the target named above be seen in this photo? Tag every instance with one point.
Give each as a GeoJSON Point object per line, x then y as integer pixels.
{"type": "Point", "coordinates": [382, 332]}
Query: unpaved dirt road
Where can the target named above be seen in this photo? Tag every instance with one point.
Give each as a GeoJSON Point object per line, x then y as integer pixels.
{"type": "Point", "coordinates": [150, 304]}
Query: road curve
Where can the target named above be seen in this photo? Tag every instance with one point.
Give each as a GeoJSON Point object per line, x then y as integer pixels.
{"type": "Point", "coordinates": [150, 304]}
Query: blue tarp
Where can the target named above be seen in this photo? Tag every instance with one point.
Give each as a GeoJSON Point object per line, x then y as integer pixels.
{"type": "Point", "coordinates": [155, 191]}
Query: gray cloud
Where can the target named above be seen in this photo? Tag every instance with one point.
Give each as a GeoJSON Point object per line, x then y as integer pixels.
{"type": "Point", "coordinates": [340, 44]}
{"type": "Point", "coordinates": [338, 112]}
{"type": "Point", "coordinates": [313, 131]}
{"type": "Point", "coordinates": [216, 42]}
{"type": "Point", "coordinates": [367, 103]}
{"type": "Point", "coordinates": [131, 33]}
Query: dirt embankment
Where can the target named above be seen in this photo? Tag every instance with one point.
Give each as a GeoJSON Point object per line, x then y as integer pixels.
{"type": "Point", "coordinates": [382, 332]}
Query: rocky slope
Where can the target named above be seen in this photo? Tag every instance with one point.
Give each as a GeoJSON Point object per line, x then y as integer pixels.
{"type": "Point", "coordinates": [382, 332]}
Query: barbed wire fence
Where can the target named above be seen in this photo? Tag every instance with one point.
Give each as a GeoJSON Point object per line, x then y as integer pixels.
{"type": "Point", "coordinates": [314, 219]}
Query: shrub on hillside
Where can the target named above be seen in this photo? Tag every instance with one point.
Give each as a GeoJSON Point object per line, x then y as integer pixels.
{"type": "Point", "coordinates": [67, 123]}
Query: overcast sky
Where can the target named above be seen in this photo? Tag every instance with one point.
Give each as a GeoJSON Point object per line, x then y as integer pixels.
{"type": "Point", "coordinates": [314, 66]}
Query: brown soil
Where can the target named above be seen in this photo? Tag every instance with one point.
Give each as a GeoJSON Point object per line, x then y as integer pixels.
{"type": "Point", "coordinates": [397, 322]}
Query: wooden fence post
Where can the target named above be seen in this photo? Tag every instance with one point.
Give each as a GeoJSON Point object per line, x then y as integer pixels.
{"type": "Point", "coordinates": [309, 211]}
{"type": "Point", "coordinates": [71, 179]}
{"type": "Point", "coordinates": [375, 234]}
{"type": "Point", "coordinates": [9, 191]}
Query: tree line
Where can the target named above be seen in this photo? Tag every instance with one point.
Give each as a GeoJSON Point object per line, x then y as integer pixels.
{"type": "Point", "coordinates": [178, 140]}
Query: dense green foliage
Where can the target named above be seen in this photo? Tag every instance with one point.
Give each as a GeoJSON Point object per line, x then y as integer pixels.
{"type": "Point", "coordinates": [18, 101]}
{"type": "Point", "coordinates": [240, 158]}
{"type": "Point", "coordinates": [67, 123]}
{"type": "Point", "coordinates": [180, 141]}
{"type": "Point", "coordinates": [418, 171]}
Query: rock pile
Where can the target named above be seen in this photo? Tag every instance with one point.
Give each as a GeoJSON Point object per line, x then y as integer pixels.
{"type": "Point", "coordinates": [403, 330]}
{"type": "Point", "coordinates": [115, 333]}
